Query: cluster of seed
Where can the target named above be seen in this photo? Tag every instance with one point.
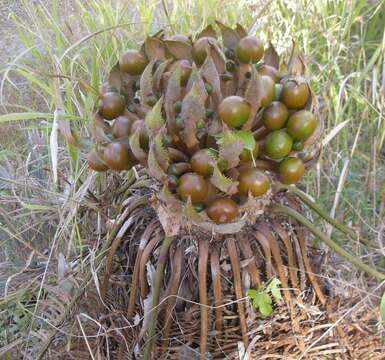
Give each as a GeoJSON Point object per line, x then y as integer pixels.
{"type": "Point", "coordinates": [252, 131]}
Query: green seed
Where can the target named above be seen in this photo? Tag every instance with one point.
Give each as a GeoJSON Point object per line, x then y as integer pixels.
{"type": "Point", "coordinates": [209, 113]}
{"type": "Point", "coordinates": [201, 124]}
{"type": "Point", "coordinates": [222, 164]}
{"type": "Point", "coordinates": [230, 54]}
{"type": "Point", "coordinates": [167, 140]}
{"type": "Point", "coordinates": [230, 66]}
{"type": "Point", "coordinates": [178, 106]}
{"type": "Point", "coordinates": [226, 77]}
{"type": "Point", "coordinates": [199, 207]}
{"type": "Point", "coordinates": [208, 88]}
{"type": "Point", "coordinates": [179, 122]}
{"type": "Point", "coordinates": [298, 145]}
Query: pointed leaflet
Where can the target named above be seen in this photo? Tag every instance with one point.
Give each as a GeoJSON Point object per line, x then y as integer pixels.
{"type": "Point", "coordinates": [146, 89]}
{"type": "Point", "coordinates": [161, 153]}
{"type": "Point", "coordinates": [157, 77]}
{"type": "Point", "coordinates": [115, 78]}
{"type": "Point", "coordinates": [232, 173]}
{"type": "Point", "coordinates": [190, 212]}
{"type": "Point", "coordinates": [98, 129]}
{"type": "Point", "coordinates": [241, 31]}
{"type": "Point", "coordinates": [230, 148]}
{"type": "Point", "coordinates": [283, 67]}
{"type": "Point", "coordinates": [230, 36]}
{"type": "Point", "coordinates": [159, 34]}
{"type": "Point", "coordinates": [210, 74]}
{"type": "Point", "coordinates": [253, 97]}
{"type": "Point", "coordinates": [127, 82]}
{"type": "Point", "coordinates": [196, 79]}
{"type": "Point", "coordinates": [252, 207]}
{"type": "Point", "coordinates": [173, 93]}
{"type": "Point", "coordinates": [229, 84]}
{"type": "Point", "coordinates": [219, 58]}
{"type": "Point", "coordinates": [312, 103]}
{"type": "Point", "coordinates": [140, 110]}
{"type": "Point", "coordinates": [271, 57]}
{"type": "Point", "coordinates": [104, 88]}
{"type": "Point", "coordinates": [296, 65]}
{"type": "Point", "coordinates": [132, 116]}
{"type": "Point", "coordinates": [223, 183]}
{"type": "Point", "coordinates": [154, 120]}
{"type": "Point", "coordinates": [169, 211]}
{"type": "Point", "coordinates": [154, 169]}
{"type": "Point", "coordinates": [208, 31]}
{"type": "Point", "coordinates": [193, 110]}
{"type": "Point", "coordinates": [179, 49]}
{"type": "Point", "coordinates": [247, 138]}
{"type": "Point", "coordinates": [136, 149]}
{"type": "Point", "coordinates": [169, 198]}
{"type": "Point", "coordinates": [214, 126]}
{"type": "Point", "coordinates": [155, 49]}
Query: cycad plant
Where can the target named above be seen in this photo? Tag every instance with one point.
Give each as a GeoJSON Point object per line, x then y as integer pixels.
{"type": "Point", "coordinates": [218, 130]}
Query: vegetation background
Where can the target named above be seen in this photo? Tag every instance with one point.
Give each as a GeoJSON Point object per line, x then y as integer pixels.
{"type": "Point", "coordinates": [53, 53]}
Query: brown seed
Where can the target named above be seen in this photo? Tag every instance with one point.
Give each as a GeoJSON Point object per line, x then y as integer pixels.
{"type": "Point", "coordinates": [121, 127]}
{"type": "Point", "coordinates": [200, 48]}
{"type": "Point", "coordinates": [291, 170]}
{"type": "Point", "coordinates": [277, 144]}
{"type": "Point", "coordinates": [117, 156]}
{"type": "Point", "coordinates": [95, 161]}
{"type": "Point", "coordinates": [234, 111]}
{"type": "Point", "coordinates": [250, 50]}
{"type": "Point", "coordinates": [246, 154]}
{"type": "Point", "coordinates": [268, 90]}
{"type": "Point", "coordinates": [194, 186]}
{"type": "Point", "coordinates": [112, 105]}
{"type": "Point", "coordinates": [269, 71]}
{"type": "Point", "coordinates": [185, 67]}
{"type": "Point", "coordinates": [132, 62]}
{"type": "Point", "coordinates": [254, 181]}
{"type": "Point", "coordinates": [295, 95]}
{"type": "Point", "coordinates": [201, 162]}
{"type": "Point", "coordinates": [301, 125]}
{"type": "Point", "coordinates": [275, 115]}
{"type": "Point", "coordinates": [222, 211]}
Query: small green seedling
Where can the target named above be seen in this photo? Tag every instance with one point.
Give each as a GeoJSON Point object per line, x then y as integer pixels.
{"type": "Point", "coordinates": [262, 297]}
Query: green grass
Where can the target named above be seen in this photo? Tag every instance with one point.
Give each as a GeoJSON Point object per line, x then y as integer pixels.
{"type": "Point", "coordinates": [70, 51]}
